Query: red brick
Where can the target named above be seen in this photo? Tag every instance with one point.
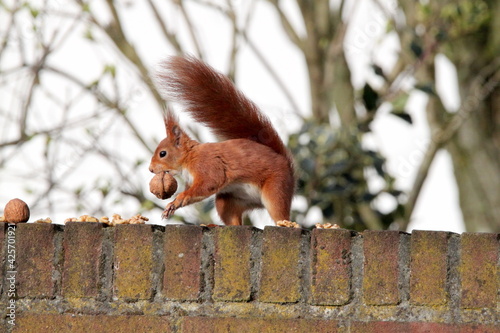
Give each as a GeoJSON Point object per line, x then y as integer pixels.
{"type": "Point", "coordinates": [330, 266]}
{"type": "Point", "coordinates": [381, 272]}
{"type": "Point", "coordinates": [251, 325]}
{"type": "Point", "coordinates": [232, 263]}
{"type": "Point", "coordinates": [477, 328]}
{"type": "Point", "coordinates": [379, 326]}
{"type": "Point", "coordinates": [63, 323]}
{"type": "Point", "coordinates": [82, 259]}
{"type": "Point", "coordinates": [419, 327]}
{"type": "Point", "coordinates": [35, 259]}
{"type": "Point", "coordinates": [182, 248]}
{"type": "Point", "coordinates": [133, 261]}
{"type": "Point", "coordinates": [479, 270]}
{"type": "Point", "coordinates": [280, 280]}
{"type": "Point", "coordinates": [428, 267]}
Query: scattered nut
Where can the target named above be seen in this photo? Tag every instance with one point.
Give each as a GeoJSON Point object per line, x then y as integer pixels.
{"type": "Point", "coordinates": [138, 219]}
{"type": "Point", "coordinates": [16, 211]}
{"type": "Point", "coordinates": [105, 220]}
{"type": "Point", "coordinates": [163, 185]}
{"type": "Point", "coordinates": [2, 218]}
{"type": "Point", "coordinates": [83, 218]}
{"type": "Point", "coordinates": [287, 224]}
{"type": "Point", "coordinates": [117, 219]}
{"type": "Point", "coordinates": [45, 220]}
{"type": "Point", "coordinates": [327, 226]}
{"type": "Point", "coordinates": [87, 218]}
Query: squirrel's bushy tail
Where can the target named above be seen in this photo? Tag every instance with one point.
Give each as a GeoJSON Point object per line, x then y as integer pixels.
{"type": "Point", "coordinates": [213, 100]}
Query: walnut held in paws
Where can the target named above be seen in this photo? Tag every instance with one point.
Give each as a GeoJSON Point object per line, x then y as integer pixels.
{"type": "Point", "coordinates": [163, 185]}
{"type": "Point", "coordinates": [16, 211]}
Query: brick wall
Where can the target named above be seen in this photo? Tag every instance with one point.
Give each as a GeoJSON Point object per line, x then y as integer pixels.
{"type": "Point", "coordinates": [86, 277]}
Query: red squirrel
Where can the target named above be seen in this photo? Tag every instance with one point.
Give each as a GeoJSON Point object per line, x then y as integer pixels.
{"type": "Point", "coordinates": [249, 168]}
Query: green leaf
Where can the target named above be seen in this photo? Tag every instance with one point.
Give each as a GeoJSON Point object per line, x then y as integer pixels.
{"type": "Point", "coordinates": [427, 88]}
{"type": "Point", "coordinates": [86, 7]}
{"type": "Point", "coordinates": [400, 102]}
{"type": "Point", "coordinates": [379, 71]}
{"type": "Point", "coordinates": [88, 34]}
{"type": "Point", "coordinates": [207, 206]}
{"type": "Point", "coordinates": [395, 193]}
{"type": "Point", "coordinates": [370, 98]}
{"type": "Point", "coordinates": [147, 205]}
{"type": "Point", "coordinates": [368, 197]}
{"type": "Point", "coordinates": [308, 165]}
{"type": "Point", "coordinates": [34, 12]}
{"type": "Point", "coordinates": [378, 165]}
{"type": "Point", "coordinates": [403, 115]}
{"type": "Point", "coordinates": [93, 84]}
{"type": "Point", "coordinates": [328, 211]}
{"type": "Point", "coordinates": [338, 168]}
{"type": "Point", "coordinates": [417, 49]}
{"type": "Point", "coordinates": [111, 69]}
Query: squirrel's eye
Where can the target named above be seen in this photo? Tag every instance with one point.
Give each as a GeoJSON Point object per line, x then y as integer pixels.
{"type": "Point", "coordinates": [163, 153]}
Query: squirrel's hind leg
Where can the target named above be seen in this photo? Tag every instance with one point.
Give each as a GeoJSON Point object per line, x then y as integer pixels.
{"type": "Point", "coordinates": [277, 198]}
{"type": "Point", "coordinates": [229, 208]}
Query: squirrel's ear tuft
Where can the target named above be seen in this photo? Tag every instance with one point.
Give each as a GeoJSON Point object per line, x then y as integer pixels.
{"type": "Point", "coordinates": [165, 120]}
{"type": "Point", "coordinates": [174, 131]}
{"type": "Point", "coordinates": [169, 119]}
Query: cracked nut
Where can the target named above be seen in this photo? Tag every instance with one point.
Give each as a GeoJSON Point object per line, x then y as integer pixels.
{"type": "Point", "coordinates": [327, 226]}
{"type": "Point", "coordinates": [45, 220]}
{"type": "Point", "coordinates": [163, 185]}
{"type": "Point", "coordinates": [287, 224]}
{"type": "Point", "coordinates": [16, 211]}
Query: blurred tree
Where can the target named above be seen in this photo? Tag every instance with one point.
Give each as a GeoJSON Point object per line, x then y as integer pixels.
{"type": "Point", "coordinates": [465, 32]}
{"type": "Point", "coordinates": [335, 167]}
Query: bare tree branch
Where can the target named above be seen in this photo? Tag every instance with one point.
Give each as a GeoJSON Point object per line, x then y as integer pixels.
{"type": "Point", "coordinates": [273, 74]}
{"type": "Point", "coordinates": [486, 81]}
{"type": "Point", "coordinates": [191, 29]}
{"type": "Point", "coordinates": [172, 38]}
{"type": "Point", "coordinates": [114, 105]}
{"type": "Point", "coordinates": [289, 29]}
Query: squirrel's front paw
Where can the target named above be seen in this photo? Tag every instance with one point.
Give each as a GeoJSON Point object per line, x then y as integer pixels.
{"type": "Point", "coordinates": [169, 211]}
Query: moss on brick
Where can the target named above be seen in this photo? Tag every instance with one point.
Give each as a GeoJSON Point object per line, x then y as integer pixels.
{"type": "Point", "coordinates": [82, 259]}
{"type": "Point", "coordinates": [85, 323]}
{"type": "Point", "coordinates": [35, 259]}
{"type": "Point", "coordinates": [479, 270]}
{"type": "Point", "coordinates": [251, 325]}
{"type": "Point", "coordinates": [428, 268]}
{"type": "Point", "coordinates": [381, 271]}
{"type": "Point", "coordinates": [330, 266]}
{"type": "Point", "coordinates": [280, 282]}
{"type": "Point", "coordinates": [182, 276]}
{"type": "Point", "coordinates": [292, 281]}
{"type": "Point", "coordinates": [133, 262]}
{"type": "Point", "coordinates": [232, 264]}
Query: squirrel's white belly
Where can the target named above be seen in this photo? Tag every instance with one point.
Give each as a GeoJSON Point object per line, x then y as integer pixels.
{"type": "Point", "coordinates": [248, 193]}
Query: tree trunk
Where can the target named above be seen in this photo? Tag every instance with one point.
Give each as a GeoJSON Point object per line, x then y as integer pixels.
{"type": "Point", "coordinates": [475, 151]}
